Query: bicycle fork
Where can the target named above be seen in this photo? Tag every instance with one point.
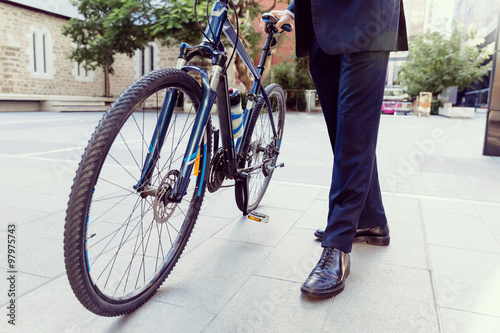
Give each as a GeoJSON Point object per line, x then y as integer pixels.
{"type": "Point", "coordinates": [207, 100]}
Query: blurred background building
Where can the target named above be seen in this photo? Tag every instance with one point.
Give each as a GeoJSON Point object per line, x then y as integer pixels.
{"type": "Point", "coordinates": [33, 52]}
{"type": "Point", "coordinates": [433, 15]}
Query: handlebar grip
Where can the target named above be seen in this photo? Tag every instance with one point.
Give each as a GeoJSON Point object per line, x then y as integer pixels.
{"type": "Point", "coordinates": [287, 27]}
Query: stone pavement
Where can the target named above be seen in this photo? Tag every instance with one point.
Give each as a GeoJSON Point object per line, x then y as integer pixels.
{"type": "Point", "coordinates": [441, 272]}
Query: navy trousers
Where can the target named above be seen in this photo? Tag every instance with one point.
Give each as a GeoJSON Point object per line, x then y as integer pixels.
{"type": "Point", "coordinates": [350, 89]}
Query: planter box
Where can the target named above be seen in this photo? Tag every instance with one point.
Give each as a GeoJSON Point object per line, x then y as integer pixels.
{"type": "Point", "coordinates": [457, 112]}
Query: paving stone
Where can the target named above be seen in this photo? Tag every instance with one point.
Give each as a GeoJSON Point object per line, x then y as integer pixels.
{"type": "Point", "coordinates": [459, 231]}
{"type": "Point", "coordinates": [456, 321]}
{"type": "Point", "coordinates": [293, 258]}
{"type": "Point", "coordinates": [24, 284]}
{"type": "Point", "coordinates": [447, 206]}
{"type": "Point", "coordinates": [291, 197]}
{"type": "Point", "coordinates": [269, 305]}
{"type": "Point", "coordinates": [491, 216]}
{"type": "Point", "coordinates": [400, 209]}
{"type": "Point", "coordinates": [246, 230]}
{"type": "Point", "coordinates": [466, 280]}
{"type": "Point", "coordinates": [406, 249]}
{"type": "Point", "coordinates": [384, 298]}
{"type": "Point", "coordinates": [315, 217]}
{"type": "Point", "coordinates": [209, 276]}
{"type": "Point", "coordinates": [237, 274]}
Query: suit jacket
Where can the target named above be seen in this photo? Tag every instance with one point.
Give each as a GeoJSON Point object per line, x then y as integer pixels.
{"type": "Point", "coordinates": [349, 26]}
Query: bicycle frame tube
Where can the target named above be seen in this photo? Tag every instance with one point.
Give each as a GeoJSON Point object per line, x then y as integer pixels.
{"type": "Point", "coordinates": [207, 100]}
{"type": "Point", "coordinates": [218, 16]}
{"type": "Point", "coordinates": [158, 137]}
{"type": "Point", "coordinates": [240, 49]}
{"type": "Point", "coordinates": [256, 73]}
{"type": "Point", "coordinates": [211, 89]}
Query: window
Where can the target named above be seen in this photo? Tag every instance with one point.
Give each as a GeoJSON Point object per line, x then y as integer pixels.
{"type": "Point", "coordinates": [146, 60]}
{"type": "Point", "coordinates": [41, 53]}
{"type": "Point", "coordinates": [81, 74]}
{"type": "Point", "coordinates": [44, 54]}
{"type": "Point", "coordinates": [34, 52]}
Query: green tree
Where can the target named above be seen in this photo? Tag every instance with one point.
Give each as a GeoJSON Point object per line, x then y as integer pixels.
{"type": "Point", "coordinates": [110, 27]}
{"type": "Point", "coordinates": [437, 60]}
{"type": "Point", "coordinates": [176, 23]}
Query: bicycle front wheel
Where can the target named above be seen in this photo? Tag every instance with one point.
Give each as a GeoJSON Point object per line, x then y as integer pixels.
{"type": "Point", "coordinates": [262, 144]}
{"type": "Point", "coordinates": [119, 243]}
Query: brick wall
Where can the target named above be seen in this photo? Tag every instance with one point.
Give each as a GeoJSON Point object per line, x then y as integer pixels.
{"type": "Point", "coordinates": [16, 59]}
{"type": "Point", "coordinates": [15, 50]}
{"type": "Point", "coordinates": [286, 49]}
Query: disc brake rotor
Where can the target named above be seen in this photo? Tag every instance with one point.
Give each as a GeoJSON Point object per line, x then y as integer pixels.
{"type": "Point", "coordinates": [162, 209]}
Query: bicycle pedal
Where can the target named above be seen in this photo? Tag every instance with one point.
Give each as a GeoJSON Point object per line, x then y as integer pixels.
{"type": "Point", "coordinates": [277, 166]}
{"type": "Point", "coordinates": [258, 217]}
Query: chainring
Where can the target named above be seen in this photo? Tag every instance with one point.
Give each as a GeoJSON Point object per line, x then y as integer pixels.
{"type": "Point", "coordinates": [217, 171]}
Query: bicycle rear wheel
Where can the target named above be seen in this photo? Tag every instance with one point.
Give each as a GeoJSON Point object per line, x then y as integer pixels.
{"type": "Point", "coordinates": [262, 145]}
{"type": "Point", "coordinates": [119, 245]}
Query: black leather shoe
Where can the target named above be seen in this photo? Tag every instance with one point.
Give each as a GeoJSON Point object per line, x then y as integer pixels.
{"type": "Point", "coordinates": [327, 279]}
{"type": "Point", "coordinates": [373, 236]}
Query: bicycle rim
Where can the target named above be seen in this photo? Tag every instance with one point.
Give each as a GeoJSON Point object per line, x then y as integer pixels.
{"type": "Point", "coordinates": [264, 144]}
{"type": "Point", "coordinates": [132, 242]}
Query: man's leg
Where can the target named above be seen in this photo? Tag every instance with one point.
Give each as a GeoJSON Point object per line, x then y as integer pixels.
{"type": "Point", "coordinates": [325, 71]}
{"type": "Point", "coordinates": [373, 213]}
{"type": "Point", "coordinates": [361, 87]}
{"type": "Point", "coordinates": [350, 91]}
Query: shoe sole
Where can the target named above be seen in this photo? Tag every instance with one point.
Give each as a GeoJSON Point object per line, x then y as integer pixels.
{"type": "Point", "coordinates": [371, 240]}
{"type": "Point", "coordinates": [380, 241]}
{"type": "Point", "coordinates": [329, 293]}
{"type": "Point", "coordinates": [325, 294]}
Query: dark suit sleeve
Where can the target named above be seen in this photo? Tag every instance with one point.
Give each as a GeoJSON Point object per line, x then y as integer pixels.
{"type": "Point", "coordinates": [291, 7]}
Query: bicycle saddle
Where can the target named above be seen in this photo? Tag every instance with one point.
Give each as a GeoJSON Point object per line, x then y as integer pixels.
{"type": "Point", "coordinates": [273, 19]}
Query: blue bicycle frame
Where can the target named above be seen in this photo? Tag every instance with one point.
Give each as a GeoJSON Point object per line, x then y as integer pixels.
{"type": "Point", "coordinates": [214, 87]}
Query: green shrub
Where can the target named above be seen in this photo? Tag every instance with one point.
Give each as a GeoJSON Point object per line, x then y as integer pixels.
{"type": "Point", "coordinates": [435, 104]}
{"type": "Point", "coordinates": [292, 74]}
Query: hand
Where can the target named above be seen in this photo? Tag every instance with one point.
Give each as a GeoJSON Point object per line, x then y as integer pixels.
{"type": "Point", "coordinates": [283, 18]}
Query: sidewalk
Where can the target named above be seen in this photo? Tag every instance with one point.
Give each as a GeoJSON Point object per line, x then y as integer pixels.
{"type": "Point", "coordinates": [441, 272]}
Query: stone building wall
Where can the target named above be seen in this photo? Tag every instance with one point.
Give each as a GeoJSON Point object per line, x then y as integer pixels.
{"type": "Point", "coordinates": [16, 56]}
{"type": "Point", "coordinates": [23, 32]}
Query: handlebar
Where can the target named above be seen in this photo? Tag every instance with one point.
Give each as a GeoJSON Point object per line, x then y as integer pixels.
{"type": "Point", "coordinates": [273, 20]}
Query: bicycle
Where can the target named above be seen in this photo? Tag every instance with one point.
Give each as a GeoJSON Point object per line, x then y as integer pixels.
{"type": "Point", "coordinates": [134, 202]}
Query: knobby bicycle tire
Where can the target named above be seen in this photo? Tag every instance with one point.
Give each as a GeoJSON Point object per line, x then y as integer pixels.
{"type": "Point", "coordinates": [260, 144]}
{"type": "Point", "coordinates": [108, 223]}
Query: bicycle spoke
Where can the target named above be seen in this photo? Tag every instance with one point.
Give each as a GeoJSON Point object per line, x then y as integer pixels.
{"type": "Point", "coordinates": [131, 154]}
{"type": "Point", "coordinates": [121, 187]}
{"type": "Point", "coordinates": [123, 167]}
